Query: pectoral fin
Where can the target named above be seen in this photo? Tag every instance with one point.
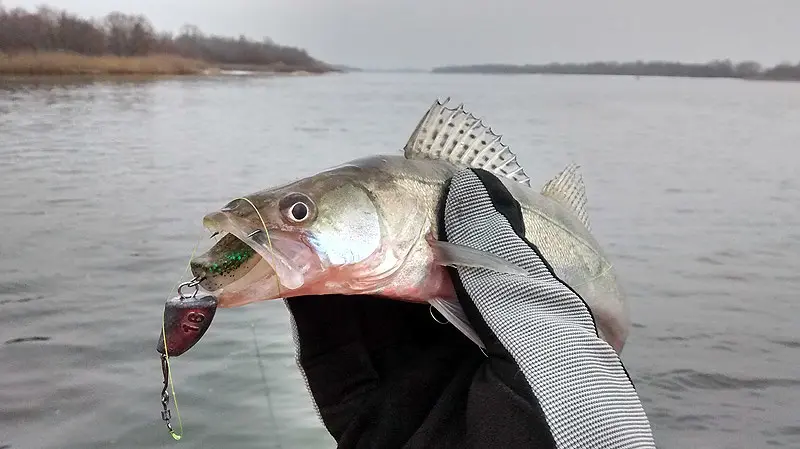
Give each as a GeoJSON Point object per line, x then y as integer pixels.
{"type": "Point", "coordinates": [449, 254]}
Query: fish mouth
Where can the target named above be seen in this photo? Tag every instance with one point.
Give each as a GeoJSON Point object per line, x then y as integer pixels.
{"type": "Point", "coordinates": [279, 266]}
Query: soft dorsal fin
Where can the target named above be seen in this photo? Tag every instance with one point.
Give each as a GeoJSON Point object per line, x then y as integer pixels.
{"type": "Point", "coordinates": [567, 188]}
{"type": "Point", "coordinates": [459, 137]}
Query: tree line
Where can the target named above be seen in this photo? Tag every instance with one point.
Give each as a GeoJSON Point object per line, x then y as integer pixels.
{"type": "Point", "coordinates": [119, 34]}
{"type": "Point", "coordinates": [714, 69]}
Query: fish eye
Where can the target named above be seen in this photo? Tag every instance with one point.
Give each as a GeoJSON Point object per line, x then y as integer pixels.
{"type": "Point", "coordinates": [296, 207]}
{"type": "Point", "coordinates": [299, 211]}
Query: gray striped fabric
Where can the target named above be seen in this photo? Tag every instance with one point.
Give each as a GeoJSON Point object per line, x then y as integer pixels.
{"type": "Point", "coordinates": [579, 380]}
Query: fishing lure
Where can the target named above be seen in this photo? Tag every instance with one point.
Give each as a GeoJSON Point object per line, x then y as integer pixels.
{"type": "Point", "coordinates": [186, 319]}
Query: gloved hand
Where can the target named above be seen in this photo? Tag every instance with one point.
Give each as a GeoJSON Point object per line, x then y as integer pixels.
{"type": "Point", "coordinates": [384, 374]}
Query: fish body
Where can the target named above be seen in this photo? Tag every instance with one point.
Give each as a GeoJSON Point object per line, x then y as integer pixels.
{"type": "Point", "coordinates": [370, 226]}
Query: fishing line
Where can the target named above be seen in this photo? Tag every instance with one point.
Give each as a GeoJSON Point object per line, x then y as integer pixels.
{"type": "Point", "coordinates": [269, 241]}
{"type": "Point", "coordinates": [266, 387]}
{"type": "Point", "coordinates": [253, 326]}
{"type": "Point", "coordinates": [177, 436]}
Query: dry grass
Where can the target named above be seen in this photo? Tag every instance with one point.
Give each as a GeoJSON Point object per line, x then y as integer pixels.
{"type": "Point", "coordinates": [61, 63]}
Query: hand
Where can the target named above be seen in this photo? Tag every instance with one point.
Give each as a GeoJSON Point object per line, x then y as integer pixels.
{"type": "Point", "coordinates": [384, 374]}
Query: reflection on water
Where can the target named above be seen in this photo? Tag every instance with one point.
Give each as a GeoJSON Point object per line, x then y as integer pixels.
{"type": "Point", "coordinates": [103, 185]}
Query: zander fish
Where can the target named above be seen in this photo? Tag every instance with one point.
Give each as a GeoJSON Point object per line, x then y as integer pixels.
{"type": "Point", "coordinates": [369, 226]}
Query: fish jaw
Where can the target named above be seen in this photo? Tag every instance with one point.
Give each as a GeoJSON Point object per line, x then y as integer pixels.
{"type": "Point", "coordinates": [277, 262]}
{"type": "Point", "coordinates": [382, 274]}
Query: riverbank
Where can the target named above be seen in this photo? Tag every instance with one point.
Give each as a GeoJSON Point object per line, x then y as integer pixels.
{"type": "Point", "coordinates": [71, 64]}
{"type": "Point", "coordinates": [277, 69]}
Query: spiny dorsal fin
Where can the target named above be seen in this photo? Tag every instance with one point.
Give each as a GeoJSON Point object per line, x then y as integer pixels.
{"type": "Point", "coordinates": [567, 188]}
{"type": "Point", "coordinates": [459, 137]}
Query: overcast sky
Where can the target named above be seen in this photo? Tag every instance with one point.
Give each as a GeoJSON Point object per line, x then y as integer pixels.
{"type": "Point", "coordinates": [425, 33]}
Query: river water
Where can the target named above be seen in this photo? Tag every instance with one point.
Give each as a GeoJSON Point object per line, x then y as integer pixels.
{"type": "Point", "coordinates": [693, 189]}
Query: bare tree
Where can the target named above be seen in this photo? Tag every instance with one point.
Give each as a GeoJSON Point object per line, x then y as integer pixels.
{"type": "Point", "coordinates": [122, 34]}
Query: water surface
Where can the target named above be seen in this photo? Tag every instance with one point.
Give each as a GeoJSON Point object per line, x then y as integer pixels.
{"type": "Point", "coordinates": [692, 189]}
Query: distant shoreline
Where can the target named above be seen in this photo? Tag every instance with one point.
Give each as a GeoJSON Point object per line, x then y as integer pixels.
{"type": "Point", "coordinates": [747, 70]}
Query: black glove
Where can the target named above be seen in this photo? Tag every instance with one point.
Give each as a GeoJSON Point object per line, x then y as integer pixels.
{"type": "Point", "coordinates": [385, 374]}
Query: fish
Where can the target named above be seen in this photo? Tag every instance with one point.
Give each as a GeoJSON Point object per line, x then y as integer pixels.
{"type": "Point", "coordinates": [369, 227]}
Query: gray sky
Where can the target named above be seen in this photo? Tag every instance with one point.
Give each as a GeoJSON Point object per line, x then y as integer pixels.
{"type": "Point", "coordinates": [425, 33]}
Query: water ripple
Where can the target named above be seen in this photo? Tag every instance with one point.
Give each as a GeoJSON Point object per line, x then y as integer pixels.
{"type": "Point", "coordinates": [687, 379]}
{"type": "Point", "coordinates": [26, 339]}
{"type": "Point", "coordinates": [793, 344]}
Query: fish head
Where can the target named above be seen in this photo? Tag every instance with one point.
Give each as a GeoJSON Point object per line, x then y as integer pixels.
{"type": "Point", "coordinates": [318, 235]}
